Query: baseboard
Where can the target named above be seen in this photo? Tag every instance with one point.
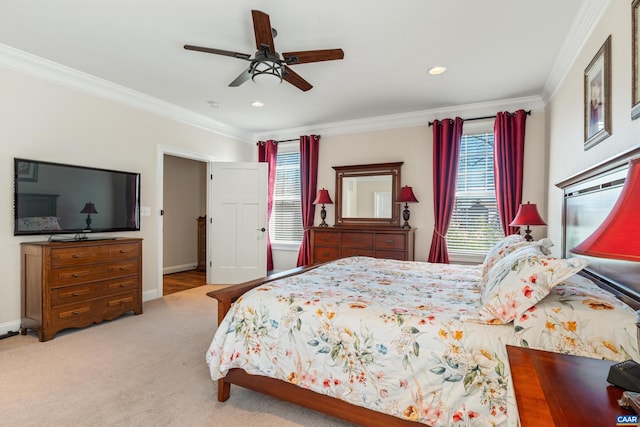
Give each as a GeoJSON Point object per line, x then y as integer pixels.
{"type": "Point", "coordinates": [179, 268]}
{"type": "Point", "coordinates": [149, 295]}
{"type": "Point", "coordinates": [7, 327]}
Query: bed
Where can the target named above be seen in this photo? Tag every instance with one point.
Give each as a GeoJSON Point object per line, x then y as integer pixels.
{"type": "Point", "coordinates": [385, 342]}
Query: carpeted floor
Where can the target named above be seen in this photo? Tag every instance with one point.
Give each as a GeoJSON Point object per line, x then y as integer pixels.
{"type": "Point", "coordinates": [146, 370]}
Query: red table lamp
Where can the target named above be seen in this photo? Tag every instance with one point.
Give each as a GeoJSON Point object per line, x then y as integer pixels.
{"type": "Point", "coordinates": [617, 237]}
{"type": "Point", "coordinates": [406, 196]}
{"type": "Point", "coordinates": [323, 198]}
{"type": "Point", "coordinates": [527, 215]}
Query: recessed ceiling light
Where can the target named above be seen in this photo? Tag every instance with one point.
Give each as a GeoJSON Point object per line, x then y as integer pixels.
{"type": "Point", "coordinates": [213, 104]}
{"type": "Point", "coordinates": [438, 69]}
{"type": "Point", "coordinates": [257, 104]}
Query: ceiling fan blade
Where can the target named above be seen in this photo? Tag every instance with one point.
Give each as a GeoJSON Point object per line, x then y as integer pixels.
{"type": "Point", "coordinates": [262, 30]}
{"type": "Point", "coordinates": [303, 57]}
{"type": "Point", "coordinates": [243, 77]}
{"type": "Point", "coordinates": [290, 76]}
{"type": "Point", "coordinates": [218, 51]}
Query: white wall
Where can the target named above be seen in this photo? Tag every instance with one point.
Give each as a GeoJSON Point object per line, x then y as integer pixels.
{"type": "Point", "coordinates": [45, 121]}
{"type": "Point", "coordinates": [565, 111]}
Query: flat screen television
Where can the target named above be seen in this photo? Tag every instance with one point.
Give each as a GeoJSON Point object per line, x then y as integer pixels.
{"type": "Point", "coordinates": [54, 198]}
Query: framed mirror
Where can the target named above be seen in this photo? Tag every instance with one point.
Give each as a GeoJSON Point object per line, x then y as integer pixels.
{"type": "Point", "coordinates": [366, 194]}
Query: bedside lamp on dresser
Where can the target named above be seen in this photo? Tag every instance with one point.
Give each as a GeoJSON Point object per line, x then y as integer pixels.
{"type": "Point", "coordinates": [323, 199]}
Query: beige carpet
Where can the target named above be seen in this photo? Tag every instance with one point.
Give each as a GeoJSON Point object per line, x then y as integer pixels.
{"type": "Point", "coordinates": [146, 370]}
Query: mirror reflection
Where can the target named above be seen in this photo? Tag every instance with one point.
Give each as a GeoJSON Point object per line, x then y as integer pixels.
{"type": "Point", "coordinates": [367, 196]}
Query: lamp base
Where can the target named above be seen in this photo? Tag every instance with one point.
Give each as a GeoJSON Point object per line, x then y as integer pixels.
{"type": "Point", "coordinates": [405, 215]}
{"type": "Point", "coordinates": [323, 215]}
{"type": "Point", "coordinates": [527, 234]}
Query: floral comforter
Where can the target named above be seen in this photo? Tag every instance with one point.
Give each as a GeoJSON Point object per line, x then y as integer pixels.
{"type": "Point", "coordinates": [383, 334]}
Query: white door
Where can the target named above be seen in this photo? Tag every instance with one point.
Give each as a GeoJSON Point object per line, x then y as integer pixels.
{"type": "Point", "coordinates": [237, 212]}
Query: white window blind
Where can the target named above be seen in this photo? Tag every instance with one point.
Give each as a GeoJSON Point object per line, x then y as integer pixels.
{"type": "Point", "coordinates": [285, 224]}
{"type": "Point", "coordinates": [475, 224]}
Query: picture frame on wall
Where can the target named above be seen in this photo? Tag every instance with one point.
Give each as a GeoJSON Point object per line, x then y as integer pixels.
{"type": "Point", "coordinates": [597, 97]}
{"type": "Point", "coordinates": [27, 171]}
{"type": "Point", "coordinates": [635, 72]}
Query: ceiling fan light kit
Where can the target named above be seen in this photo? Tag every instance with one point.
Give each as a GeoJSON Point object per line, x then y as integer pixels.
{"type": "Point", "coordinates": [267, 70]}
{"type": "Point", "coordinates": [267, 64]}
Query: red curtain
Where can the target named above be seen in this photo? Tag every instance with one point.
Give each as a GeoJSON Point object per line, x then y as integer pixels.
{"type": "Point", "coordinates": [268, 152]}
{"type": "Point", "coordinates": [308, 186]}
{"type": "Point", "coordinates": [447, 136]}
{"type": "Point", "coordinates": [508, 164]}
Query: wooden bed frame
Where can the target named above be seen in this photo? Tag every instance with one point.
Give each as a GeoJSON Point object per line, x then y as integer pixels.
{"type": "Point", "coordinates": [362, 416]}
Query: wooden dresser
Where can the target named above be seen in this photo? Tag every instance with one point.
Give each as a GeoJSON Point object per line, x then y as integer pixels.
{"type": "Point", "coordinates": [329, 243]}
{"type": "Point", "coordinates": [202, 243]}
{"type": "Point", "coordinates": [75, 284]}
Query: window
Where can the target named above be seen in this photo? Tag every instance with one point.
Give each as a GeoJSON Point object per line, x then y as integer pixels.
{"type": "Point", "coordinates": [475, 224]}
{"type": "Point", "coordinates": [285, 224]}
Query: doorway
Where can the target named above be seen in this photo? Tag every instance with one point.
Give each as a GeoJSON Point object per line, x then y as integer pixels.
{"type": "Point", "coordinates": [182, 197]}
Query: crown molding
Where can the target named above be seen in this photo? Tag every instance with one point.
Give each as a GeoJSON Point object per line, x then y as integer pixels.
{"type": "Point", "coordinates": [32, 65]}
{"type": "Point", "coordinates": [583, 25]}
{"type": "Point", "coordinates": [416, 118]}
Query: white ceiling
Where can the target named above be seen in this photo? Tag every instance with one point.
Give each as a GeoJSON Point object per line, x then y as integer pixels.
{"type": "Point", "coordinates": [493, 49]}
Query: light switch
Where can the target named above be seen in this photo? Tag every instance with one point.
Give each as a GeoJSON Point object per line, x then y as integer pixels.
{"type": "Point", "coordinates": [145, 211]}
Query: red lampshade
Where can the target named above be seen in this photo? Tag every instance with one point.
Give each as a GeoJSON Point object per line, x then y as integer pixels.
{"type": "Point", "coordinates": [618, 236]}
{"type": "Point", "coordinates": [323, 198]}
{"type": "Point", "coordinates": [406, 195]}
{"type": "Point", "coordinates": [89, 208]}
{"type": "Point", "coordinates": [527, 215]}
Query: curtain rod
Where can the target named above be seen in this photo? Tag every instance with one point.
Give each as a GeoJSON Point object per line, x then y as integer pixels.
{"type": "Point", "coordinates": [482, 118]}
{"type": "Point", "coordinates": [282, 140]}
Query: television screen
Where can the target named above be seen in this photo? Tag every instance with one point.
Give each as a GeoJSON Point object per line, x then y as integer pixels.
{"type": "Point", "coordinates": [54, 198]}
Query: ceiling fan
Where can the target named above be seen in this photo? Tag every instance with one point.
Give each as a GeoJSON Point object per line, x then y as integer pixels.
{"type": "Point", "coordinates": [267, 63]}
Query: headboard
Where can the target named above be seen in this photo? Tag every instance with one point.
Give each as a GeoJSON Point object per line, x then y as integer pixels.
{"type": "Point", "coordinates": [32, 204]}
{"type": "Point", "coordinates": [587, 200]}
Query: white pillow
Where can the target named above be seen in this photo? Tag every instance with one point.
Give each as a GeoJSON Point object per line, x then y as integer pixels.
{"type": "Point", "coordinates": [521, 279]}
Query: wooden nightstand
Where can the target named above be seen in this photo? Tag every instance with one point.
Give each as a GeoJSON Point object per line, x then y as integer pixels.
{"type": "Point", "coordinates": [554, 389]}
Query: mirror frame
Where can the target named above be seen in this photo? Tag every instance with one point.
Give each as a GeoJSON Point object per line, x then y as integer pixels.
{"type": "Point", "coordinates": [392, 169]}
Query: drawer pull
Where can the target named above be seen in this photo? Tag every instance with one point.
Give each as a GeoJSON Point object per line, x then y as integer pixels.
{"type": "Point", "coordinates": [75, 274]}
{"type": "Point", "coordinates": [355, 239]}
{"type": "Point", "coordinates": [120, 301]}
{"type": "Point", "coordinates": [122, 285]}
{"type": "Point", "coordinates": [389, 241]}
{"type": "Point", "coordinates": [75, 294]}
{"type": "Point", "coordinates": [325, 253]}
{"type": "Point", "coordinates": [76, 256]}
{"type": "Point", "coordinates": [123, 268]}
{"type": "Point", "coordinates": [75, 313]}
{"type": "Point", "coordinates": [326, 239]}
{"type": "Point", "coordinates": [122, 251]}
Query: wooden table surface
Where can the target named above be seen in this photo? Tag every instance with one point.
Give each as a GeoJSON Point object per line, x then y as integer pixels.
{"type": "Point", "coordinates": [554, 389]}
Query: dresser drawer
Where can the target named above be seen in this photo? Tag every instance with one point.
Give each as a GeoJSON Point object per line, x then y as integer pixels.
{"type": "Point", "coordinates": [91, 272]}
{"type": "Point", "coordinates": [399, 255]}
{"type": "Point", "coordinates": [85, 313]}
{"type": "Point", "coordinates": [61, 257]}
{"type": "Point", "coordinates": [114, 306]}
{"type": "Point", "coordinates": [77, 293]}
{"type": "Point", "coordinates": [326, 238]}
{"type": "Point", "coordinates": [325, 254]}
{"type": "Point", "coordinates": [356, 240]}
{"type": "Point", "coordinates": [347, 252]}
{"type": "Point", "coordinates": [390, 241]}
